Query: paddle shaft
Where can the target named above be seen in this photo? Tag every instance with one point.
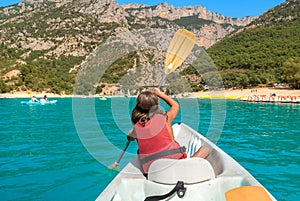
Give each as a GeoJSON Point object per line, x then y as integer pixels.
{"type": "Point", "coordinates": [123, 151]}
{"type": "Point", "coordinates": [162, 80]}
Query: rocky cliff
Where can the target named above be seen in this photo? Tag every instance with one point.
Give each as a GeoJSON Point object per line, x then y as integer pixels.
{"type": "Point", "coordinates": [70, 15]}
{"type": "Point", "coordinates": [36, 30]}
{"type": "Point", "coordinates": [170, 12]}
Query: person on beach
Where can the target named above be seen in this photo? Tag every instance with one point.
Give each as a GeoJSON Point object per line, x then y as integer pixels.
{"type": "Point", "coordinates": [153, 130]}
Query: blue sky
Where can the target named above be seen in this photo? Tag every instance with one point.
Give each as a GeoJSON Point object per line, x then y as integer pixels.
{"type": "Point", "coordinates": [232, 8]}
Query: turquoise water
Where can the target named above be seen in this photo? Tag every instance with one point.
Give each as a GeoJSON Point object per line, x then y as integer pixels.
{"type": "Point", "coordinates": [61, 152]}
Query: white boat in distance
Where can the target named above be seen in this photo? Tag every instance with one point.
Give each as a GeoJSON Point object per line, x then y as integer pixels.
{"type": "Point", "coordinates": [217, 178]}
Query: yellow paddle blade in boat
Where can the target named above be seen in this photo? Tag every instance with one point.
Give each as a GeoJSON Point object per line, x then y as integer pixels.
{"type": "Point", "coordinates": [180, 46]}
{"type": "Point", "coordinates": [247, 193]}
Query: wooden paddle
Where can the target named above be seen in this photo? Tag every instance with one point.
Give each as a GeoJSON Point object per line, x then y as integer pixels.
{"type": "Point", "coordinates": [180, 46]}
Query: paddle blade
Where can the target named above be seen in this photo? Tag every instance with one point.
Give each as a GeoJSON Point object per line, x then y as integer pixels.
{"type": "Point", "coordinates": [247, 193]}
{"type": "Point", "coordinates": [181, 45]}
{"type": "Point", "coordinates": [114, 166]}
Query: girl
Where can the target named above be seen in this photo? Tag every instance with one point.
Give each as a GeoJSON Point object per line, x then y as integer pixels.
{"type": "Point", "coordinates": [153, 129]}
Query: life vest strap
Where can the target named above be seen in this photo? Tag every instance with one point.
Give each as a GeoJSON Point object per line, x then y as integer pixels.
{"type": "Point", "coordinates": [163, 154]}
{"type": "Point", "coordinates": [179, 188]}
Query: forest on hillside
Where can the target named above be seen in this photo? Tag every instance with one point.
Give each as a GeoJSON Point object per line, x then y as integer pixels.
{"type": "Point", "coordinates": [48, 74]}
{"type": "Point", "coordinates": [265, 55]}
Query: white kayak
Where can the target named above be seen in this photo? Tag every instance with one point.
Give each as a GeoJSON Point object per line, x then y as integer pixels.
{"type": "Point", "coordinates": [217, 178]}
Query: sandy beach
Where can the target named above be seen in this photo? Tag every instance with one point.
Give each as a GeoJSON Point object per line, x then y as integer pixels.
{"type": "Point", "coordinates": [238, 93]}
{"type": "Point", "coordinates": [228, 94]}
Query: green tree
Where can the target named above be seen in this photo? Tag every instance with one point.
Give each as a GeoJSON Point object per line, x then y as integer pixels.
{"type": "Point", "coordinates": [291, 72]}
{"type": "Point", "coordinates": [3, 87]}
{"type": "Point", "coordinates": [98, 89]}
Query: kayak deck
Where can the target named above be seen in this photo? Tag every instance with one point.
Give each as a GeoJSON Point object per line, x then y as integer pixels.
{"type": "Point", "coordinates": [130, 184]}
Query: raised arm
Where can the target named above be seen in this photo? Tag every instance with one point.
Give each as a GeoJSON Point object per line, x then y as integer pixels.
{"type": "Point", "coordinates": [174, 106]}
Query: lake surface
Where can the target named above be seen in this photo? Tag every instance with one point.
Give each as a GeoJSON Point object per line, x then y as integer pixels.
{"type": "Point", "coordinates": [61, 152]}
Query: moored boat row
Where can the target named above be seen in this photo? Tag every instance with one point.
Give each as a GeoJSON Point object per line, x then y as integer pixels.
{"type": "Point", "coordinates": [272, 99]}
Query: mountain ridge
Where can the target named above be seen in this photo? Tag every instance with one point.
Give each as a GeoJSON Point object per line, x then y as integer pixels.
{"type": "Point", "coordinates": [58, 35]}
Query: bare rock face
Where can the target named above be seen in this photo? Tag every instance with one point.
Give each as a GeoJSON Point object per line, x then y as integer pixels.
{"type": "Point", "coordinates": [106, 10]}
{"type": "Point", "coordinates": [208, 26]}
{"type": "Point", "coordinates": [213, 26]}
{"type": "Point", "coordinates": [170, 12]}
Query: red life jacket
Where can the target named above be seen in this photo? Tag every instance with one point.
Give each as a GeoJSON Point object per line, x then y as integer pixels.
{"type": "Point", "coordinates": [155, 141]}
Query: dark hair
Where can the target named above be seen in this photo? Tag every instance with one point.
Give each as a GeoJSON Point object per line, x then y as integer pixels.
{"type": "Point", "coordinates": [146, 107]}
{"type": "Point", "coordinates": [146, 100]}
